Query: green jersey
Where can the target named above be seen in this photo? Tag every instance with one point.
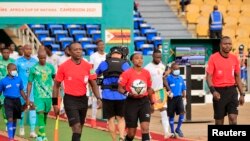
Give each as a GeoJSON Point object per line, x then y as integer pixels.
{"type": "Point", "coordinates": [41, 78]}
{"type": "Point", "coordinates": [3, 66]}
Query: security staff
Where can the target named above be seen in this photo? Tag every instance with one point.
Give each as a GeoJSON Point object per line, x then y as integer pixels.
{"type": "Point", "coordinates": [216, 23]}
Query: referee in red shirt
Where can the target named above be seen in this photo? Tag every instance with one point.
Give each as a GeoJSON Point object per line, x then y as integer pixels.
{"type": "Point", "coordinates": [223, 76]}
{"type": "Point", "coordinates": [76, 74]}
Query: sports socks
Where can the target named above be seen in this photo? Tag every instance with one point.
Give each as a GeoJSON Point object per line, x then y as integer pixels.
{"type": "Point", "coordinates": [145, 137]}
{"type": "Point", "coordinates": [180, 121]}
{"type": "Point", "coordinates": [21, 121]}
{"type": "Point", "coordinates": [171, 123]}
{"type": "Point", "coordinates": [164, 121]}
{"type": "Point", "coordinates": [127, 138]}
{"type": "Point", "coordinates": [41, 125]}
{"type": "Point", "coordinates": [76, 137]}
{"type": "Point", "coordinates": [32, 118]}
{"type": "Point", "coordinates": [14, 128]}
{"type": "Point", "coordinates": [10, 130]}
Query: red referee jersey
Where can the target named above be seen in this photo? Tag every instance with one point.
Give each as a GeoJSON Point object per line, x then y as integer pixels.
{"type": "Point", "coordinates": [75, 77]}
{"type": "Point", "coordinates": [129, 76]}
{"type": "Point", "coordinates": [223, 69]}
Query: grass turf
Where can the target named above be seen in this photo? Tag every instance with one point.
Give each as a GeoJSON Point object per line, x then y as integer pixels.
{"type": "Point", "coordinates": [89, 134]}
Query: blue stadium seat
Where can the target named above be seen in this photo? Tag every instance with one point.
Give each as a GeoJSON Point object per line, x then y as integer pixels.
{"type": "Point", "coordinates": [95, 34]}
{"type": "Point", "coordinates": [53, 27]}
{"type": "Point", "coordinates": [55, 47]}
{"type": "Point", "coordinates": [137, 22]}
{"type": "Point", "coordinates": [84, 41]}
{"type": "Point", "coordinates": [89, 48]}
{"type": "Point", "coordinates": [77, 34]}
{"type": "Point", "coordinates": [72, 27]}
{"type": "Point", "coordinates": [147, 49]}
{"type": "Point", "coordinates": [60, 34]}
{"type": "Point", "coordinates": [143, 27]}
{"type": "Point", "coordinates": [64, 41]}
{"type": "Point", "coordinates": [41, 34]}
{"type": "Point", "coordinates": [150, 33]}
{"type": "Point", "coordinates": [136, 32]}
{"type": "Point", "coordinates": [157, 41]}
{"type": "Point", "coordinates": [139, 41]}
{"type": "Point", "coordinates": [37, 26]}
{"type": "Point", "coordinates": [48, 41]}
{"type": "Point", "coordinates": [136, 13]}
{"type": "Point", "coordinates": [90, 27]}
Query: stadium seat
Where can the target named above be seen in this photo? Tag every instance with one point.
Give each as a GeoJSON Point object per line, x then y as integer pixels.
{"type": "Point", "coordinates": [236, 2]}
{"type": "Point", "coordinates": [244, 20]}
{"type": "Point", "coordinates": [192, 17]}
{"type": "Point", "coordinates": [77, 34]}
{"type": "Point", "coordinates": [150, 33]}
{"type": "Point", "coordinates": [206, 10]}
{"type": "Point", "coordinates": [222, 9]}
{"type": "Point", "coordinates": [136, 32]}
{"type": "Point", "coordinates": [72, 27]}
{"type": "Point", "coordinates": [53, 27]}
{"type": "Point", "coordinates": [157, 41]}
{"type": "Point", "coordinates": [196, 2]}
{"type": "Point", "coordinates": [95, 34]}
{"type": "Point", "coordinates": [64, 41]}
{"type": "Point", "coordinates": [233, 8]}
{"type": "Point", "coordinates": [246, 2]}
{"type": "Point", "coordinates": [202, 30]}
{"type": "Point", "coordinates": [55, 47]}
{"type": "Point", "coordinates": [37, 27]}
{"type": "Point", "coordinates": [144, 26]}
{"type": "Point", "coordinates": [147, 48]}
{"type": "Point", "coordinates": [242, 33]}
{"type": "Point", "coordinates": [210, 2]}
{"type": "Point", "coordinates": [228, 32]}
{"type": "Point", "coordinates": [137, 22]}
{"type": "Point", "coordinates": [84, 41]}
{"type": "Point", "coordinates": [60, 34]}
{"type": "Point", "coordinates": [89, 48]}
{"type": "Point", "coordinates": [223, 2]}
{"type": "Point", "coordinates": [90, 27]}
{"type": "Point", "coordinates": [48, 41]}
{"type": "Point", "coordinates": [41, 34]}
{"type": "Point", "coordinates": [139, 41]}
{"type": "Point", "coordinates": [231, 20]}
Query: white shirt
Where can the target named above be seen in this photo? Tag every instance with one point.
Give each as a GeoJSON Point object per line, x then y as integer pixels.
{"type": "Point", "coordinates": [14, 55]}
{"type": "Point", "coordinates": [156, 73]}
{"type": "Point", "coordinates": [54, 60]}
{"type": "Point", "coordinates": [96, 58]}
{"type": "Point", "coordinates": [63, 59]}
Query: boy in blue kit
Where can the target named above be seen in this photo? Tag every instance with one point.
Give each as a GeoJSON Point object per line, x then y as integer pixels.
{"type": "Point", "coordinates": [176, 99]}
{"type": "Point", "coordinates": [12, 88]}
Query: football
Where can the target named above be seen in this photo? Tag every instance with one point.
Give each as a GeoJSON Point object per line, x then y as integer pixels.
{"type": "Point", "coordinates": [138, 87]}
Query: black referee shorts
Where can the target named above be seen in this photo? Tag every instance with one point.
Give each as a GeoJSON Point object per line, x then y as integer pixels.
{"type": "Point", "coordinates": [76, 108]}
{"type": "Point", "coordinates": [113, 108]}
{"type": "Point", "coordinates": [137, 108]}
{"type": "Point", "coordinates": [228, 103]}
{"type": "Point", "coordinates": [13, 108]}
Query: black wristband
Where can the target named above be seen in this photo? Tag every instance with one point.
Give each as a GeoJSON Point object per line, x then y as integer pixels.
{"type": "Point", "coordinates": [54, 101]}
{"type": "Point", "coordinates": [212, 89]}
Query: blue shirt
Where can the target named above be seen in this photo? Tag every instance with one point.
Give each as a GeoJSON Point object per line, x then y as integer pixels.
{"type": "Point", "coordinates": [176, 84]}
{"type": "Point", "coordinates": [23, 69]}
{"type": "Point", "coordinates": [11, 87]}
{"type": "Point", "coordinates": [107, 93]}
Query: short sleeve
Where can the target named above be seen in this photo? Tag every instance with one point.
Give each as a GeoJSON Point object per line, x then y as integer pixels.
{"type": "Point", "coordinates": [125, 66]}
{"type": "Point", "coordinates": [183, 88]}
{"type": "Point", "coordinates": [237, 65]}
{"type": "Point", "coordinates": [31, 75]}
{"type": "Point", "coordinates": [123, 79]}
{"type": "Point", "coordinates": [101, 68]}
{"type": "Point", "coordinates": [210, 66]}
{"type": "Point", "coordinates": [60, 74]}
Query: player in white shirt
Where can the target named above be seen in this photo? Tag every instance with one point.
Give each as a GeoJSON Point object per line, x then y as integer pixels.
{"type": "Point", "coordinates": [157, 70]}
{"type": "Point", "coordinates": [52, 58]}
{"type": "Point", "coordinates": [13, 53]}
{"type": "Point", "coordinates": [66, 55]}
{"type": "Point", "coordinates": [95, 59]}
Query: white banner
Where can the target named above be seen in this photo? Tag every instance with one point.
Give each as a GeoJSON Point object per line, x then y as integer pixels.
{"type": "Point", "coordinates": [42, 9]}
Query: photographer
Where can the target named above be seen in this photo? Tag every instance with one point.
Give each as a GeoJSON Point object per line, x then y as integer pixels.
{"type": "Point", "coordinates": [113, 101]}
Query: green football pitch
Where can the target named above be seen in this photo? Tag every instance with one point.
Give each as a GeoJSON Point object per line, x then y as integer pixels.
{"type": "Point", "coordinates": [89, 134]}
